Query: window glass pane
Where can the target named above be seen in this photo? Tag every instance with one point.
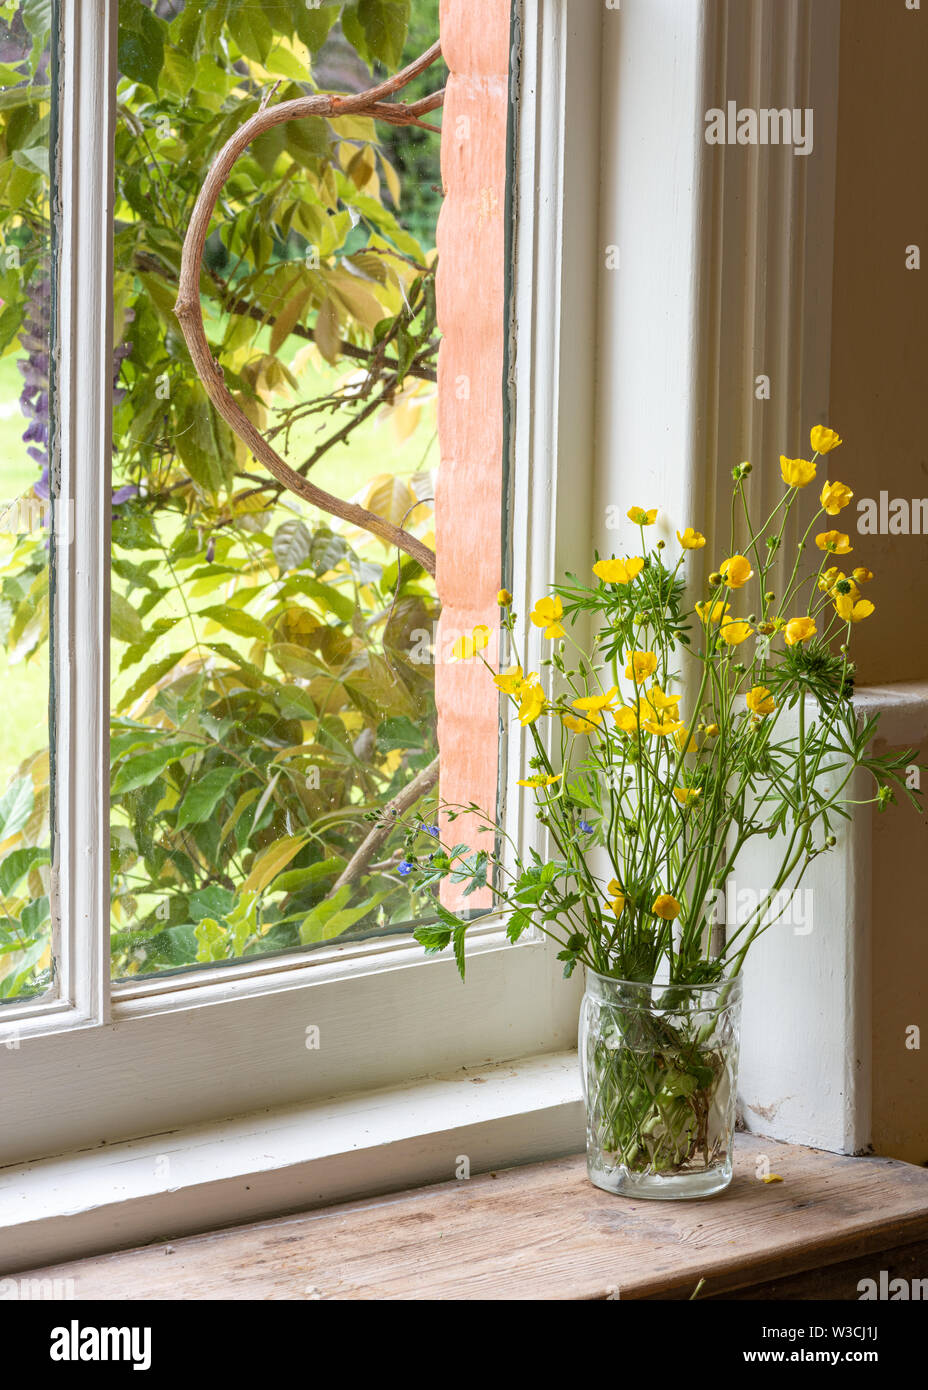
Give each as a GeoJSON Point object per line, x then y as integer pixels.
{"type": "Point", "coordinates": [272, 665]}
{"type": "Point", "coordinates": [27, 525]}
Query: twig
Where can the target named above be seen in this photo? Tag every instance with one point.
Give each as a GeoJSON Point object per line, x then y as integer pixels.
{"type": "Point", "coordinates": [189, 312]}
{"type": "Point", "coordinates": [423, 782]}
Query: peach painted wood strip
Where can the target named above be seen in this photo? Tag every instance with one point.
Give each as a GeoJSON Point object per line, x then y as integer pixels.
{"type": "Point", "coordinates": [544, 1232]}
{"type": "Point", "coordinates": [470, 293]}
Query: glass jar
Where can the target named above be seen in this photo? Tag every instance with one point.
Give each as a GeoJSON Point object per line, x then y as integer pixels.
{"type": "Point", "coordinates": [659, 1065]}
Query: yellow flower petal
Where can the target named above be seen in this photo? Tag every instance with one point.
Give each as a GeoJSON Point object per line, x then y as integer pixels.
{"type": "Point", "coordinates": [666, 907]}
{"type": "Point", "coordinates": [834, 542]}
{"type": "Point", "coordinates": [799, 630]}
{"type": "Point", "coordinates": [508, 681]}
{"type": "Point", "coordinates": [853, 610]}
{"type": "Point", "coordinates": [686, 795]}
{"type": "Point", "coordinates": [835, 496]}
{"type": "Point", "coordinates": [531, 700]}
{"type": "Point", "coordinates": [823, 439]}
{"type": "Point", "coordinates": [760, 701]}
{"type": "Point", "coordinates": [797, 472]}
{"type": "Point", "coordinates": [734, 632]}
{"type": "Point", "coordinates": [690, 539]}
{"type": "Point", "coordinates": [595, 703]}
{"type": "Point", "coordinates": [642, 516]}
{"type": "Point", "coordinates": [618, 571]}
{"type": "Point", "coordinates": [640, 665]}
{"type": "Point", "coordinates": [547, 614]}
{"type": "Point", "coordinates": [578, 725]}
{"type": "Point", "coordinates": [712, 612]}
{"type": "Point", "coordinates": [736, 572]}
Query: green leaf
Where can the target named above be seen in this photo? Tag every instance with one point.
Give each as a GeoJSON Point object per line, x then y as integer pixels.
{"type": "Point", "coordinates": [342, 605]}
{"type": "Point", "coordinates": [141, 43]}
{"type": "Point", "coordinates": [142, 770]}
{"type": "Point", "coordinates": [34, 916]}
{"type": "Point", "coordinates": [150, 676]}
{"type": "Point", "coordinates": [212, 941]}
{"type": "Point", "coordinates": [434, 938]}
{"type": "Point", "coordinates": [125, 623]}
{"type": "Point", "coordinates": [459, 958]}
{"type": "Point", "coordinates": [205, 795]}
{"type": "Point", "coordinates": [16, 807]}
{"type": "Point", "coordinates": [331, 917]}
{"type": "Point", "coordinates": [243, 624]}
{"type": "Point", "coordinates": [37, 17]}
{"type": "Point", "coordinates": [17, 865]}
{"type": "Point", "coordinates": [292, 544]}
{"type": "Point", "coordinates": [268, 864]}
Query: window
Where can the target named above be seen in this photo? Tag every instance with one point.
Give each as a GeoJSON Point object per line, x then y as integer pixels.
{"type": "Point", "coordinates": [147, 1045]}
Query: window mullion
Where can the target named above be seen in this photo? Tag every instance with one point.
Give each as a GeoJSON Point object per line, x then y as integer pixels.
{"type": "Point", "coordinates": [84, 252]}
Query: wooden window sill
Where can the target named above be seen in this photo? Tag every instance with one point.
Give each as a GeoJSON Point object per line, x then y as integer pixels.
{"type": "Point", "coordinates": [544, 1232]}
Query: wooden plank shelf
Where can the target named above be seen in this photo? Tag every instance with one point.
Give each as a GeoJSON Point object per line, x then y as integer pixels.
{"type": "Point", "coordinates": [544, 1232]}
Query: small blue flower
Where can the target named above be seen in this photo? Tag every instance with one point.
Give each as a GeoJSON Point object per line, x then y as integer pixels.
{"type": "Point", "coordinates": [432, 830]}
{"type": "Point", "coordinates": [586, 827]}
{"type": "Point", "coordinates": [405, 867]}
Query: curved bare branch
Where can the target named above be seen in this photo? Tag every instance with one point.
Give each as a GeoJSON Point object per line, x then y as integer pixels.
{"type": "Point", "coordinates": [189, 312]}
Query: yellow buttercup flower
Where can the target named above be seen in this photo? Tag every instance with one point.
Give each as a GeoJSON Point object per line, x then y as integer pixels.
{"type": "Point", "coordinates": [736, 572]}
{"type": "Point", "coordinates": [852, 609]}
{"type": "Point", "coordinates": [834, 542]}
{"type": "Point", "coordinates": [626, 719]}
{"type": "Point", "coordinates": [799, 630]}
{"type": "Point", "coordinates": [504, 598]}
{"type": "Point", "coordinates": [797, 472]}
{"type": "Point", "coordinates": [467, 647]}
{"type": "Point", "coordinates": [666, 907]}
{"type": "Point", "coordinates": [641, 516]}
{"type": "Point", "coordinates": [640, 666]}
{"type": "Point", "coordinates": [734, 632]}
{"type": "Point", "coordinates": [712, 612]}
{"type": "Point", "coordinates": [578, 725]}
{"type": "Point", "coordinates": [835, 496]}
{"type": "Point", "coordinates": [593, 705]}
{"type": "Point", "coordinates": [547, 613]}
{"type": "Point", "coordinates": [687, 795]}
{"type": "Point", "coordinates": [823, 439]}
{"type": "Point", "coordinates": [508, 681]}
{"type": "Point", "coordinates": [863, 575]}
{"type": "Point", "coordinates": [827, 578]}
{"type": "Point", "coordinates": [618, 571]}
{"type": "Point", "coordinates": [531, 699]}
{"type": "Point", "coordinates": [617, 896]}
{"type": "Point", "coordinates": [684, 739]}
{"type": "Point", "coordinates": [690, 539]}
{"type": "Point", "coordinates": [658, 713]}
{"type": "Point", "coordinates": [540, 780]}
{"type": "Point", "coordinates": [760, 701]}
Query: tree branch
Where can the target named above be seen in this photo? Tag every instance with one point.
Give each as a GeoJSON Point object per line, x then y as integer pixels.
{"type": "Point", "coordinates": [188, 309]}
{"type": "Point", "coordinates": [423, 782]}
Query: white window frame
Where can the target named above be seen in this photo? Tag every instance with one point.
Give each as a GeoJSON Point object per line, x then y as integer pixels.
{"type": "Point", "coordinates": [110, 1063]}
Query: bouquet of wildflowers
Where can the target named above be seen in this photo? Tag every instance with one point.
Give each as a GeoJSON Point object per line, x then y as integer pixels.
{"type": "Point", "coordinates": [661, 746]}
{"type": "Point", "coordinates": [664, 745]}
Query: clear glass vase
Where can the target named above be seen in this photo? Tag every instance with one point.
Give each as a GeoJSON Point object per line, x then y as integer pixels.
{"type": "Point", "coordinates": [659, 1065]}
